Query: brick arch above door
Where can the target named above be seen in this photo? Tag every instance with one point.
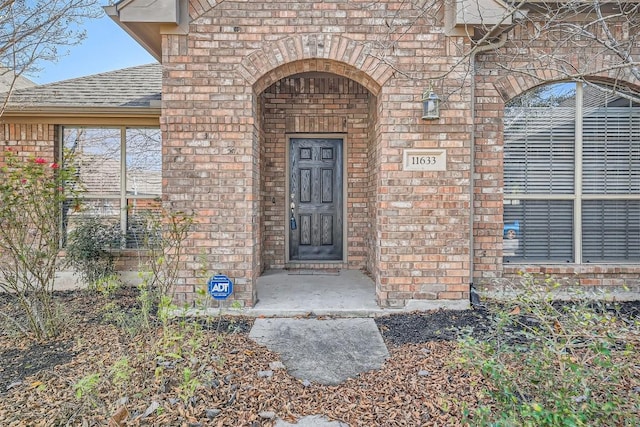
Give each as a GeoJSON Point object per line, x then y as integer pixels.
{"type": "Point", "coordinates": [314, 52]}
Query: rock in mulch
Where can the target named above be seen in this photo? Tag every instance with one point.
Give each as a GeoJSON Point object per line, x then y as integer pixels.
{"type": "Point", "coordinates": [265, 374]}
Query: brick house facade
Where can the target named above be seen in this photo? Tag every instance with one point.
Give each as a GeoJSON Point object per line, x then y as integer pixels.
{"type": "Point", "coordinates": [245, 85]}
{"type": "Point", "coordinates": [247, 76]}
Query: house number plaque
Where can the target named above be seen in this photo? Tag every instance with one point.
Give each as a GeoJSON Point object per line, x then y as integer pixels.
{"type": "Point", "coordinates": [424, 160]}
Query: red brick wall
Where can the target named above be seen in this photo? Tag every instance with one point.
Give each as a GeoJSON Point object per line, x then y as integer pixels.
{"type": "Point", "coordinates": [28, 140]}
{"type": "Point", "coordinates": [371, 240]}
{"type": "Point", "coordinates": [410, 229]}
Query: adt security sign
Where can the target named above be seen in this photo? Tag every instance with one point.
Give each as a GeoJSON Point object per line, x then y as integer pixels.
{"type": "Point", "coordinates": [220, 286]}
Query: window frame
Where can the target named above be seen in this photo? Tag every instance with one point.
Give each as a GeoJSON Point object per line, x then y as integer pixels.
{"type": "Point", "coordinates": [122, 197]}
{"type": "Point", "coordinates": [578, 195]}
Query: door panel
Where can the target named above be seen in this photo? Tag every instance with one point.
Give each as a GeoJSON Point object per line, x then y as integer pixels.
{"type": "Point", "coordinates": [315, 185]}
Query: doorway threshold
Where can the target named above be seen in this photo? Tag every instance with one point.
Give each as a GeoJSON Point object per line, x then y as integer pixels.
{"type": "Point", "coordinates": [314, 272]}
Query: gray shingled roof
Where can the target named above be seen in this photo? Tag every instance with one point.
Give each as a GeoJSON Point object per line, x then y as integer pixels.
{"type": "Point", "coordinates": [128, 87]}
{"type": "Point", "coordinates": [7, 77]}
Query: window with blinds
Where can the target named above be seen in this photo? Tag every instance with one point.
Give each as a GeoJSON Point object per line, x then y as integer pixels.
{"type": "Point", "coordinates": [572, 175]}
{"type": "Point", "coordinates": [539, 156]}
{"type": "Point", "coordinates": [121, 172]}
{"type": "Point", "coordinates": [610, 230]}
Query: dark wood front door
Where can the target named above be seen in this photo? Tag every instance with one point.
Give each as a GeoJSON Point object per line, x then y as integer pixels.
{"type": "Point", "coordinates": [315, 187]}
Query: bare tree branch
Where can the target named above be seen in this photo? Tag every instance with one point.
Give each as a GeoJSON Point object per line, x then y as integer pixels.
{"type": "Point", "coordinates": [576, 41]}
{"type": "Point", "coordinates": [572, 40]}
{"type": "Point", "coordinates": [33, 31]}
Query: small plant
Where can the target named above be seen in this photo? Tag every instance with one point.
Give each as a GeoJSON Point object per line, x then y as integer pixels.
{"type": "Point", "coordinates": [131, 323]}
{"type": "Point", "coordinates": [188, 385]}
{"type": "Point", "coordinates": [146, 301]}
{"type": "Point", "coordinates": [89, 251]}
{"type": "Point", "coordinates": [165, 242]}
{"type": "Point", "coordinates": [555, 364]}
{"type": "Point", "coordinates": [121, 371]}
{"type": "Point", "coordinates": [109, 285]}
{"type": "Point", "coordinates": [86, 386]}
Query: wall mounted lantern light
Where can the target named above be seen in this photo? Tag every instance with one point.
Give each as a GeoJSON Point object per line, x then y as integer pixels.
{"type": "Point", "coordinates": [430, 105]}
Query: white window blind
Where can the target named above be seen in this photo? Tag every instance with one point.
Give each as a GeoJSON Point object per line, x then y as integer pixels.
{"type": "Point", "coordinates": [611, 150]}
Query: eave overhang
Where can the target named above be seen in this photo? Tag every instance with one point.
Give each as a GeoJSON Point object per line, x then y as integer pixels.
{"type": "Point", "coordinates": [476, 18]}
{"type": "Point", "coordinates": [146, 20]}
{"type": "Point", "coordinates": [483, 19]}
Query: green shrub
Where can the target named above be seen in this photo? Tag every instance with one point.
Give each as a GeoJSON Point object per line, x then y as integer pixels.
{"type": "Point", "coordinates": [556, 364]}
{"type": "Point", "coordinates": [89, 250]}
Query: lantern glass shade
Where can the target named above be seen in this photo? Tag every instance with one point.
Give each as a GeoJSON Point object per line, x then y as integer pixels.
{"type": "Point", "coordinates": [430, 105]}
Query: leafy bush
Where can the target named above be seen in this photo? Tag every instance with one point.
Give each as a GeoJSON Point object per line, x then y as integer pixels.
{"type": "Point", "coordinates": [165, 238]}
{"type": "Point", "coordinates": [557, 364]}
{"type": "Point", "coordinates": [89, 250]}
{"type": "Point", "coordinates": [32, 193]}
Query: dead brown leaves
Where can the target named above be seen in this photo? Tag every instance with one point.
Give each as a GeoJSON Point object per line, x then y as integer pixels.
{"type": "Point", "coordinates": [419, 385]}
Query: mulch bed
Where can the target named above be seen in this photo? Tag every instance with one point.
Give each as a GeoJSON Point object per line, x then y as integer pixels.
{"type": "Point", "coordinates": [420, 385]}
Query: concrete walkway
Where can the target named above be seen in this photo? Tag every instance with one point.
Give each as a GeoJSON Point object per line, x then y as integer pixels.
{"type": "Point", "coordinates": [325, 351]}
{"type": "Point", "coordinates": [340, 293]}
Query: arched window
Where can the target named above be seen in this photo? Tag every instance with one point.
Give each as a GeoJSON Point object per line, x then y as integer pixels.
{"type": "Point", "coordinates": [572, 175]}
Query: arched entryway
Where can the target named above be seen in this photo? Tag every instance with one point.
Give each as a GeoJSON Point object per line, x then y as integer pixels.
{"type": "Point", "coordinates": [317, 139]}
{"type": "Point", "coordinates": [316, 85]}
{"type": "Point", "coordinates": [318, 169]}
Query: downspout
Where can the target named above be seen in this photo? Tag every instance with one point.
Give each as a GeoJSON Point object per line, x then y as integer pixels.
{"type": "Point", "coordinates": [473, 296]}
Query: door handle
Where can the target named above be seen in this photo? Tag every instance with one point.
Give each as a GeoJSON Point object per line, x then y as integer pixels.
{"type": "Point", "coordinates": [292, 218]}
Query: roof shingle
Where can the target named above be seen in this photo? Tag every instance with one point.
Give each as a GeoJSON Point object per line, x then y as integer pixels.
{"type": "Point", "coordinates": [7, 78]}
{"type": "Point", "coordinates": [129, 87]}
